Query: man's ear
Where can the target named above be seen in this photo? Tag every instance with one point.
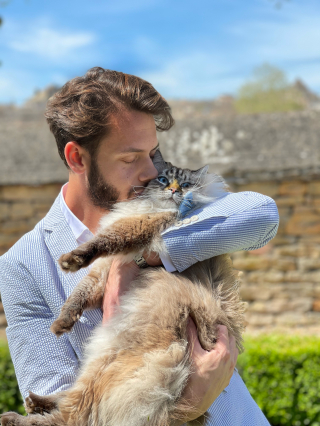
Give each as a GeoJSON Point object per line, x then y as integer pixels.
{"type": "Point", "coordinates": [200, 173]}
{"type": "Point", "coordinates": [159, 162]}
{"type": "Point", "coordinates": [75, 156]}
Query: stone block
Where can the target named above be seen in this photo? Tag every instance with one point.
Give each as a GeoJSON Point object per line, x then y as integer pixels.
{"type": "Point", "coordinates": [300, 304]}
{"type": "Point", "coordinates": [6, 241]}
{"type": "Point", "coordinates": [255, 292]}
{"type": "Point", "coordinates": [291, 319]}
{"type": "Point", "coordinates": [312, 318]}
{"type": "Point", "coordinates": [4, 211]}
{"type": "Point", "coordinates": [251, 263]}
{"type": "Point", "coordinates": [295, 290]}
{"type": "Point", "coordinates": [284, 264]}
{"type": "Point", "coordinates": [293, 188]}
{"type": "Point", "coordinates": [23, 192]}
{"type": "Point", "coordinates": [273, 306]}
{"type": "Point", "coordinates": [300, 276]}
{"type": "Point", "coordinates": [315, 202]}
{"type": "Point", "coordinates": [314, 188]}
{"type": "Point", "coordinates": [3, 321]}
{"type": "Point", "coordinates": [303, 223]}
{"type": "Point", "coordinates": [295, 250]}
{"type": "Point", "coordinates": [21, 211]}
{"type": "Point", "coordinates": [15, 227]}
{"type": "Point", "coordinates": [286, 201]}
{"type": "Point", "coordinates": [316, 290]}
{"type": "Point", "coordinates": [283, 240]}
{"type": "Point", "coordinates": [316, 305]}
{"type": "Point", "coordinates": [274, 277]}
{"type": "Point", "coordinates": [253, 277]}
{"type": "Point", "coordinates": [258, 320]}
{"type": "Point", "coordinates": [308, 264]}
{"type": "Point", "coordinates": [266, 188]}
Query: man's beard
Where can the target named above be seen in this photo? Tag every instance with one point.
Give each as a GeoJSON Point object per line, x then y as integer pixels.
{"type": "Point", "coordinates": [101, 193]}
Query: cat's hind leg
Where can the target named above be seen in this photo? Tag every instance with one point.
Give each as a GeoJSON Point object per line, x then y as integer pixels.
{"type": "Point", "coordinates": [88, 294]}
{"type": "Point", "coordinates": [14, 419]}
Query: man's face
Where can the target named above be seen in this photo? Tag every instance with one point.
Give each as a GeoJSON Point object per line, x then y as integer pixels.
{"type": "Point", "coordinates": [123, 164]}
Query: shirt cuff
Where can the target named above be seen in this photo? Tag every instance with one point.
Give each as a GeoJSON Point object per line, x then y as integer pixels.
{"type": "Point", "coordinates": [167, 263]}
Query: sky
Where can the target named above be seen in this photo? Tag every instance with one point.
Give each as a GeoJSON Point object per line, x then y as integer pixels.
{"type": "Point", "coordinates": [187, 49]}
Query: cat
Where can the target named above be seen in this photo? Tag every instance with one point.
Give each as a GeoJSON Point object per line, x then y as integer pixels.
{"type": "Point", "coordinates": [136, 366]}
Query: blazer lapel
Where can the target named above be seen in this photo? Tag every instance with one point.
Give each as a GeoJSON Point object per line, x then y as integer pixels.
{"type": "Point", "coordinates": [59, 239]}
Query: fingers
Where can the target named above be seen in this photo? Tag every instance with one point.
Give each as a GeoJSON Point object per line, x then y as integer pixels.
{"type": "Point", "coordinates": [196, 348]}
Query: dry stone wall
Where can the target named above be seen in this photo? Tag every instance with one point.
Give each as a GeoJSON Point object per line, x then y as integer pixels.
{"type": "Point", "coordinates": [281, 281]}
{"type": "Point", "coordinates": [21, 208]}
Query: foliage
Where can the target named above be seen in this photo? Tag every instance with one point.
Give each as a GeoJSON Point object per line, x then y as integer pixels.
{"type": "Point", "coordinates": [10, 398]}
{"type": "Point", "coordinates": [268, 91]}
{"type": "Point", "coordinates": [282, 374]}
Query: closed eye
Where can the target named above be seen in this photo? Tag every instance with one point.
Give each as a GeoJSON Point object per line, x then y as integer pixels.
{"type": "Point", "coordinates": [163, 180]}
{"type": "Point", "coordinates": [185, 185]}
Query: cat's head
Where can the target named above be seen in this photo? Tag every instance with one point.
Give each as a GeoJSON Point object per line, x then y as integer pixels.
{"type": "Point", "coordinates": [173, 183]}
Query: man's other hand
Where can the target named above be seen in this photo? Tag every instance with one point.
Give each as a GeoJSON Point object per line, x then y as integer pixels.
{"type": "Point", "coordinates": [119, 279]}
{"type": "Point", "coordinates": [212, 370]}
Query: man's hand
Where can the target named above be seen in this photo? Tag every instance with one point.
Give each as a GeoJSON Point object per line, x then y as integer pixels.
{"type": "Point", "coordinates": [212, 370]}
{"type": "Point", "coordinates": [119, 279]}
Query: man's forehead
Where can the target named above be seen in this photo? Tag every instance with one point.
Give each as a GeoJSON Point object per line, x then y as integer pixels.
{"type": "Point", "coordinates": [133, 120]}
{"type": "Point", "coordinates": [133, 131]}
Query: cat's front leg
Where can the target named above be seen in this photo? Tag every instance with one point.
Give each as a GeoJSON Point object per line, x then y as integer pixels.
{"type": "Point", "coordinates": [134, 234]}
{"type": "Point", "coordinates": [88, 294]}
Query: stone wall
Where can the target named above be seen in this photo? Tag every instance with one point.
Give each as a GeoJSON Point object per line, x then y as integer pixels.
{"type": "Point", "coordinates": [281, 281]}
{"type": "Point", "coordinates": [21, 208]}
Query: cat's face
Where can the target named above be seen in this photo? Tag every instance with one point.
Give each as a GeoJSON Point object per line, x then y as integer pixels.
{"type": "Point", "coordinates": [173, 183]}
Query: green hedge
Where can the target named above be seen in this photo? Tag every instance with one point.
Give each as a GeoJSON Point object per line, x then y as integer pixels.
{"type": "Point", "coordinates": [282, 374]}
{"type": "Point", "coordinates": [10, 398]}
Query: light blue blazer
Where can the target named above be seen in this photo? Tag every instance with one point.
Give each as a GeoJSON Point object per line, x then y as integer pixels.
{"type": "Point", "coordinates": [33, 290]}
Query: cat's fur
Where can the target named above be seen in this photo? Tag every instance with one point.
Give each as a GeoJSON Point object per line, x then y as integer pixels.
{"type": "Point", "coordinates": [137, 366]}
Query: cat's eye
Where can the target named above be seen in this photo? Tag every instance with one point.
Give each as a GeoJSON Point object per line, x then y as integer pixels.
{"type": "Point", "coordinates": [185, 185]}
{"type": "Point", "coordinates": [163, 180]}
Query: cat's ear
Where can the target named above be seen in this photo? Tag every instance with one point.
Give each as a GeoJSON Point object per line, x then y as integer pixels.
{"type": "Point", "coordinates": [200, 173]}
{"type": "Point", "coordinates": [159, 162]}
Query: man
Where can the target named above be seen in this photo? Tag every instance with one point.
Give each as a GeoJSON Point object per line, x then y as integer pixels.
{"type": "Point", "coordinates": [105, 127]}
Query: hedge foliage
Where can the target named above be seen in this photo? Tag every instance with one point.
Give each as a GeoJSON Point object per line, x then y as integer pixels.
{"type": "Point", "coordinates": [282, 374]}
{"type": "Point", "coordinates": [10, 398]}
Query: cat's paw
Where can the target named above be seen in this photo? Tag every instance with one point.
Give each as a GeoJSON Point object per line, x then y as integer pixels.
{"type": "Point", "coordinates": [65, 323]}
{"type": "Point", "coordinates": [72, 262]}
{"type": "Point", "coordinates": [33, 404]}
{"type": "Point", "coordinates": [11, 419]}
{"type": "Point", "coordinates": [36, 404]}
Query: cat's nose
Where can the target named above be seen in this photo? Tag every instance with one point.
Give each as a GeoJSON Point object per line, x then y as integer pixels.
{"type": "Point", "coordinates": [173, 190]}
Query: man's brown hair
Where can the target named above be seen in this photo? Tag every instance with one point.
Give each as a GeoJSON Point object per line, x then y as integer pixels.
{"type": "Point", "coordinates": [81, 109]}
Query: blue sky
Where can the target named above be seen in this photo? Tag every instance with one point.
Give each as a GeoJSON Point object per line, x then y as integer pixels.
{"type": "Point", "coordinates": [195, 49]}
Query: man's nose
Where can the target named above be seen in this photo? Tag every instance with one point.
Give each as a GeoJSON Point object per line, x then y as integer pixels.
{"type": "Point", "coordinates": [149, 173]}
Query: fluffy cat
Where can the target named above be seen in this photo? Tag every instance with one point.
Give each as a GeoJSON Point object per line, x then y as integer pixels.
{"type": "Point", "coordinates": [137, 366]}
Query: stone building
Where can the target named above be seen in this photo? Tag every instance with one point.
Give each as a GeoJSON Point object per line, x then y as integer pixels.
{"type": "Point", "coordinates": [277, 155]}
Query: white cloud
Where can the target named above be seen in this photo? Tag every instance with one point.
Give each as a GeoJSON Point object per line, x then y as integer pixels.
{"type": "Point", "coordinates": [50, 43]}
{"type": "Point", "coordinates": [194, 75]}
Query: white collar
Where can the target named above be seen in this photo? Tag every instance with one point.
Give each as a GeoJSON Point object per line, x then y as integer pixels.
{"type": "Point", "coordinates": [79, 230]}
